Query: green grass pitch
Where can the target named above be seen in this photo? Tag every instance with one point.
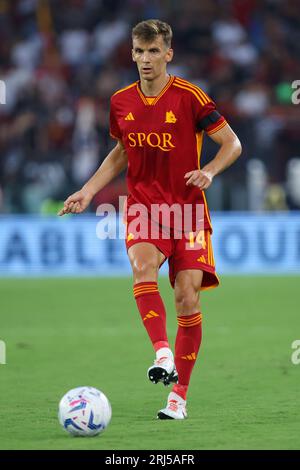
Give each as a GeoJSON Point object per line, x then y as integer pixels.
{"type": "Point", "coordinates": [63, 333]}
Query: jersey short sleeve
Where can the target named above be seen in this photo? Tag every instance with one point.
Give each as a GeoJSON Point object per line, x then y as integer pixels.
{"type": "Point", "coordinates": [114, 130]}
{"type": "Point", "coordinates": [207, 116]}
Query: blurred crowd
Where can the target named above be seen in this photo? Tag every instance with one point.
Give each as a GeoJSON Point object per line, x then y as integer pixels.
{"type": "Point", "coordinates": [61, 60]}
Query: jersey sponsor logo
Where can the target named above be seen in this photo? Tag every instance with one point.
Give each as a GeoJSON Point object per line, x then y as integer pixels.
{"type": "Point", "coordinates": [170, 117]}
{"type": "Point", "coordinates": [129, 117]}
{"type": "Point", "coordinates": [162, 141]}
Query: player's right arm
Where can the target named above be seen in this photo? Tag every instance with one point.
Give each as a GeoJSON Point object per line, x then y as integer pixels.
{"type": "Point", "coordinates": [115, 162]}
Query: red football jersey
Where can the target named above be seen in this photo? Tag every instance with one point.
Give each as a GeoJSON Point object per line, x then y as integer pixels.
{"type": "Point", "coordinates": [163, 138]}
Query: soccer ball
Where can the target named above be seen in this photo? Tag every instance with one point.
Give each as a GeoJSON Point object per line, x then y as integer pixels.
{"type": "Point", "coordinates": [84, 411]}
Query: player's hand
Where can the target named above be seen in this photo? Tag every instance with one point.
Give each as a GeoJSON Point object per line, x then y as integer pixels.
{"type": "Point", "coordinates": [200, 178]}
{"type": "Point", "coordinates": [76, 203]}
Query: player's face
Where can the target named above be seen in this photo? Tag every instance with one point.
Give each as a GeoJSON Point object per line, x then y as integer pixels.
{"type": "Point", "coordinates": [151, 57]}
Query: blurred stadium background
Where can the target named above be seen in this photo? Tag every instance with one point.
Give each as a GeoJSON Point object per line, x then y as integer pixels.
{"type": "Point", "coordinates": [60, 62]}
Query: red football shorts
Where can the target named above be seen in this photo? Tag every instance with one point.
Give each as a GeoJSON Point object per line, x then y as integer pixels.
{"type": "Point", "coordinates": [191, 251]}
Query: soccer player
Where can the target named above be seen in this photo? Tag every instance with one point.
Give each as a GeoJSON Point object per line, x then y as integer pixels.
{"type": "Point", "coordinates": [159, 122]}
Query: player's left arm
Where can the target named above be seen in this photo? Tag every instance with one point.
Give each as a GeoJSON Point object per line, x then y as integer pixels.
{"type": "Point", "coordinates": [230, 149]}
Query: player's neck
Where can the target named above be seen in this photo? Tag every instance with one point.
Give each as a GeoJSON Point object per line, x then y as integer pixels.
{"type": "Point", "coordinates": [154, 87]}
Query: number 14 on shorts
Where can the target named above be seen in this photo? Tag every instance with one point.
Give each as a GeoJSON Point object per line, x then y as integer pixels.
{"type": "Point", "coordinates": [197, 240]}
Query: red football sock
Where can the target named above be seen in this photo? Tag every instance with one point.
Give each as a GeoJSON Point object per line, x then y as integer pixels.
{"type": "Point", "coordinates": [187, 344]}
{"type": "Point", "coordinates": [153, 312]}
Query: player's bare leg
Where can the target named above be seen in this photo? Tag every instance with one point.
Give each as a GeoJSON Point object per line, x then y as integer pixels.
{"type": "Point", "coordinates": [145, 261]}
{"type": "Point", "coordinates": [188, 339]}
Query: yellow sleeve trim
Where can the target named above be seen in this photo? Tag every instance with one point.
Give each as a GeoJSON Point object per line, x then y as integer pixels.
{"type": "Point", "coordinates": [216, 129]}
